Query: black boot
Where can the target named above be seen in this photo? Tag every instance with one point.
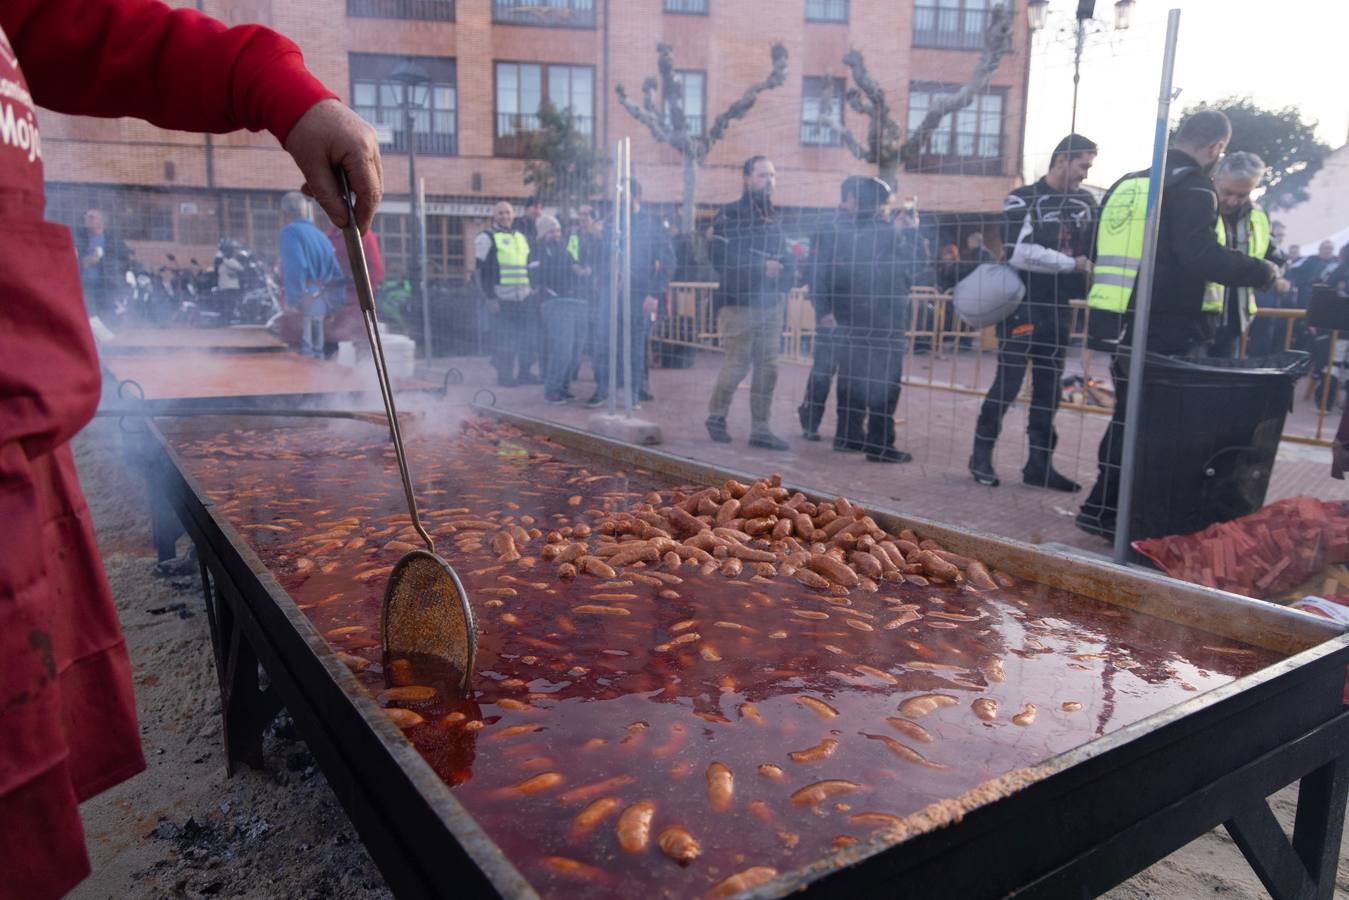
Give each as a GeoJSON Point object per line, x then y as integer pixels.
{"type": "Point", "coordinates": [1040, 472]}
{"type": "Point", "coordinates": [1099, 524]}
{"type": "Point", "coordinates": [716, 429]}
{"type": "Point", "coordinates": [808, 429]}
{"type": "Point", "coordinates": [981, 463]}
{"type": "Point", "coordinates": [889, 455]}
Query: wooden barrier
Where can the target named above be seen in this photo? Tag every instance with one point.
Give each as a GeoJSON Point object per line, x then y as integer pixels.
{"type": "Point", "coordinates": [934, 327]}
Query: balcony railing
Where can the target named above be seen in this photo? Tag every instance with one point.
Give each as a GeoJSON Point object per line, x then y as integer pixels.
{"type": "Point", "coordinates": [547, 13]}
{"type": "Point", "coordinates": [949, 29]}
{"type": "Point", "coordinates": [515, 132]}
{"type": "Point", "coordinates": [442, 140]}
{"type": "Point", "coordinates": [431, 10]}
{"type": "Point", "coordinates": [823, 134]}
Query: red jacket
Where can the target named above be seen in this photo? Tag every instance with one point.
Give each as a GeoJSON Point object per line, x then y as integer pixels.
{"type": "Point", "coordinates": [67, 718]}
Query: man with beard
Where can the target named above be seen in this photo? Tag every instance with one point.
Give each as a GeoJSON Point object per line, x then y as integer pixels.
{"type": "Point", "coordinates": [749, 252]}
{"type": "Point", "coordinates": [1188, 258]}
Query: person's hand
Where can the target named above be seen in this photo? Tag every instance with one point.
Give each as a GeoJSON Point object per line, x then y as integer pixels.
{"type": "Point", "coordinates": [494, 306]}
{"type": "Point", "coordinates": [773, 268]}
{"type": "Point", "coordinates": [1083, 265]}
{"type": "Point", "coordinates": [1272, 274]}
{"type": "Point", "coordinates": [1282, 285]}
{"type": "Point", "coordinates": [828, 321]}
{"type": "Point", "coordinates": [328, 135]}
{"type": "Point", "coordinates": [650, 305]}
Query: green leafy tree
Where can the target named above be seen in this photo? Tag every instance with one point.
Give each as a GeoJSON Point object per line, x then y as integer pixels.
{"type": "Point", "coordinates": [1280, 137]}
{"type": "Point", "coordinates": [565, 166]}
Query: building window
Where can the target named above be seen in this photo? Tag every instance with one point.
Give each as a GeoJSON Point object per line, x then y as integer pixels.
{"type": "Point", "coordinates": [826, 10]}
{"type": "Point", "coordinates": [968, 141]}
{"type": "Point", "coordinates": [444, 245]}
{"type": "Point", "coordinates": [520, 91]}
{"type": "Point", "coordinates": [548, 13]}
{"type": "Point", "coordinates": [135, 214]}
{"type": "Point", "coordinates": [695, 93]}
{"type": "Point", "coordinates": [433, 10]}
{"type": "Point", "coordinates": [379, 100]}
{"type": "Point", "coordinates": [686, 6]}
{"type": "Point", "coordinates": [950, 24]}
{"type": "Point", "coordinates": [821, 110]}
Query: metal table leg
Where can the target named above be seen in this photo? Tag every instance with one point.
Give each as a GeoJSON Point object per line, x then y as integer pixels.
{"type": "Point", "coordinates": [247, 708]}
{"type": "Point", "coordinates": [1304, 868]}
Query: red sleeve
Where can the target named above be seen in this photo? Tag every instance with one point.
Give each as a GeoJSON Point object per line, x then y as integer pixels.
{"type": "Point", "coordinates": [175, 68]}
{"type": "Point", "coordinates": [374, 262]}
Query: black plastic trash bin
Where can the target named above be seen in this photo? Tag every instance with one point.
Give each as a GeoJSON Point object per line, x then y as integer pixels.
{"type": "Point", "coordinates": [1208, 434]}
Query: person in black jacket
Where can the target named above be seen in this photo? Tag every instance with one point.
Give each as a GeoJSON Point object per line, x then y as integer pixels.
{"type": "Point", "coordinates": [553, 278]}
{"type": "Point", "coordinates": [104, 260]}
{"type": "Point", "coordinates": [867, 285]}
{"type": "Point", "coordinates": [749, 252]}
{"type": "Point", "coordinates": [1050, 228]}
{"type": "Point", "coordinates": [825, 346]}
{"type": "Point", "coordinates": [653, 262]}
{"type": "Point", "coordinates": [1188, 258]}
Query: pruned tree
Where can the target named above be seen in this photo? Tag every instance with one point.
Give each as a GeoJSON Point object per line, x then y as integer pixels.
{"type": "Point", "coordinates": [1288, 145]}
{"type": "Point", "coordinates": [566, 168]}
{"type": "Point", "coordinates": [886, 145]}
{"type": "Point", "coordinates": [662, 112]}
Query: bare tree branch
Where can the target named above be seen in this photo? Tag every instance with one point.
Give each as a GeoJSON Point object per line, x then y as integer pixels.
{"type": "Point", "coordinates": [884, 145]}
{"type": "Point", "coordinates": [997, 44]}
{"type": "Point", "coordinates": [665, 118]}
{"type": "Point", "coordinates": [853, 144]}
{"type": "Point", "coordinates": [649, 103]}
{"type": "Point", "coordinates": [741, 107]}
{"type": "Point", "coordinates": [647, 118]}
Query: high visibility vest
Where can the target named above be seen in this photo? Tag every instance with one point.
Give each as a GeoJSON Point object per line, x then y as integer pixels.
{"type": "Point", "coordinates": [1119, 245]}
{"type": "Point", "coordinates": [574, 247]}
{"type": "Point", "coordinates": [512, 258]}
{"type": "Point", "coordinates": [1253, 230]}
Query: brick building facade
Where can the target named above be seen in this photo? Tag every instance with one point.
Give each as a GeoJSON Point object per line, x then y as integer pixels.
{"type": "Point", "coordinates": [490, 62]}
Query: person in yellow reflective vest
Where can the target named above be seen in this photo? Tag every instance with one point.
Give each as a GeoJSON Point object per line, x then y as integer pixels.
{"type": "Point", "coordinates": [502, 270]}
{"type": "Point", "coordinates": [1188, 258]}
{"type": "Point", "coordinates": [1242, 227]}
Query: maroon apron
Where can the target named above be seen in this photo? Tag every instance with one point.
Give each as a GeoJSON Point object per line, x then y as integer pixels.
{"type": "Point", "coordinates": [67, 715]}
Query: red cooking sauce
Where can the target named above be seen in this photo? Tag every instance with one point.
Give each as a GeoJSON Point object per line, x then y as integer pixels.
{"type": "Point", "coordinates": [783, 686]}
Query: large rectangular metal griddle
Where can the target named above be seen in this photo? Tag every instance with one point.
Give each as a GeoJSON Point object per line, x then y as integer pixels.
{"type": "Point", "coordinates": [1091, 817]}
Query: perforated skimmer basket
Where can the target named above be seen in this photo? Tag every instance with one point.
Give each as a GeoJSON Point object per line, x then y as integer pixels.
{"type": "Point", "coordinates": [426, 623]}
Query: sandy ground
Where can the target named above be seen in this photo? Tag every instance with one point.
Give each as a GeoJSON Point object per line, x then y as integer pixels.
{"type": "Point", "coordinates": [183, 828]}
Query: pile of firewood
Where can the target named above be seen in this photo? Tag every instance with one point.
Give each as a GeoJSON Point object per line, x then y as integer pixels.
{"type": "Point", "coordinates": [1264, 555]}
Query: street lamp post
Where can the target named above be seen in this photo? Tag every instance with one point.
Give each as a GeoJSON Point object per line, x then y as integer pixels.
{"type": "Point", "coordinates": [415, 82]}
{"type": "Point", "coordinates": [1037, 11]}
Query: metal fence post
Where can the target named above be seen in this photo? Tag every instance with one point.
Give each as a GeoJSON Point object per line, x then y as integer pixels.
{"type": "Point", "coordinates": [1143, 299]}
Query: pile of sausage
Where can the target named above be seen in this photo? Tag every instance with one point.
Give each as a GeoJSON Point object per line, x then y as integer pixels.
{"type": "Point", "coordinates": [759, 528]}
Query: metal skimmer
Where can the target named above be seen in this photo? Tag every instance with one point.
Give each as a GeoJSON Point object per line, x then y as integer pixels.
{"type": "Point", "coordinates": [426, 624]}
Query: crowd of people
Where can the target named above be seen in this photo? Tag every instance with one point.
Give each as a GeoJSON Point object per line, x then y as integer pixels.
{"type": "Point", "coordinates": [1220, 259]}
